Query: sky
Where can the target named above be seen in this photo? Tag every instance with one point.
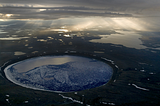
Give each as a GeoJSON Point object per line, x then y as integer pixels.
{"type": "Point", "coordinates": [54, 9]}
{"type": "Point", "coordinates": [137, 14]}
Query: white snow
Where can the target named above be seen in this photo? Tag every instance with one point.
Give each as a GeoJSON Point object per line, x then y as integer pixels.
{"type": "Point", "coordinates": [111, 103]}
{"type": "Point", "coordinates": [65, 97]}
{"type": "Point", "coordinates": [25, 101]}
{"type": "Point", "coordinates": [104, 103]}
{"type": "Point", "coordinates": [140, 87]}
{"type": "Point", "coordinates": [151, 73]}
{"type": "Point", "coordinates": [112, 62]}
{"type": "Point", "coordinates": [7, 100]}
{"type": "Point", "coordinates": [116, 66]}
{"type": "Point", "coordinates": [108, 103]}
{"type": "Point", "coordinates": [7, 95]}
{"type": "Point", "coordinates": [142, 70]}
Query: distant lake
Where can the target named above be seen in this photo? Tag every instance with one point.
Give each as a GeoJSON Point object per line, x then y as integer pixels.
{"type": "Point", "coordinates": [126, 38]}
{"type": "Point", "coordinates": [59, 73]}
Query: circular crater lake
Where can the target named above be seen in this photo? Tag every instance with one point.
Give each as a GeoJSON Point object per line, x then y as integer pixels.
{"type": "Point", "coordinates": [59, 73]}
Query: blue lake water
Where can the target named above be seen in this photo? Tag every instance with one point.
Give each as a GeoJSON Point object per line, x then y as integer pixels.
{"type": "Point", "coordinates": [59, 73]}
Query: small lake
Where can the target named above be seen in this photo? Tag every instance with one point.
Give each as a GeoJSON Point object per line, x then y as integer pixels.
{"type": "Point", "coordinates": [59, 73]}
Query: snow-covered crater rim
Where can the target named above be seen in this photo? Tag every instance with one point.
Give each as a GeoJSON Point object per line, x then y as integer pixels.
{"type": "Point", "coordinates": [59, 73]}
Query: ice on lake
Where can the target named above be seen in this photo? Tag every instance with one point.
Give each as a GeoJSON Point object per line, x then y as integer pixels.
{"type": "Point", "coordinates": [59, 73]}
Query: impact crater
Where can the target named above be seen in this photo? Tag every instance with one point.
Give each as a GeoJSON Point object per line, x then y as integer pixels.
{"type": "Point", "coordinates": [59, 73]}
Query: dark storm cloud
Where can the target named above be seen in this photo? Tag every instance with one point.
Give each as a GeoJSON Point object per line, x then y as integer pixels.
{"type": "Point", "coordinates": [22, 9]}
{"type": "Point", "coordinates": [25, 12]}
{"type": "Point", "coordinates": [90, 3]}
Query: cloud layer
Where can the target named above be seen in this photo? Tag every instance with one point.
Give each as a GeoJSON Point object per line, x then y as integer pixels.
{"type": "Point", "coordinates": [53, 9]}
